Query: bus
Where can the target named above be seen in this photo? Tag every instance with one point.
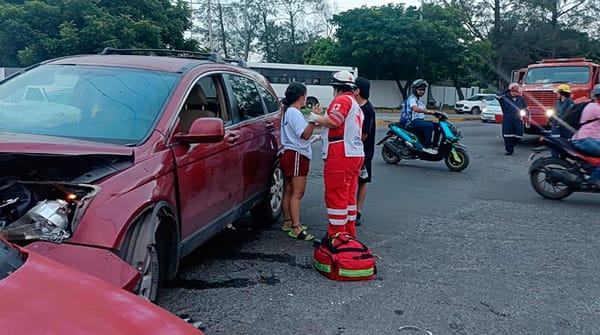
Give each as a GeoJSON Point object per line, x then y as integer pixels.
{"type": "Point", "coordinates": [315, 77]}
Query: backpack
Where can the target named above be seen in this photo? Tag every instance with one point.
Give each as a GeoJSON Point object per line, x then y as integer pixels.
{"type": "Point", "coordinates": [342, 257]}
{"type": "Point", "coordinates": [573, 114]}
{"type": "Point", "coordinates": [405, 113]}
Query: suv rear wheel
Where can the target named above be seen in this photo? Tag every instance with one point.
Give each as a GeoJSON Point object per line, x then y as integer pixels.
{"type": "Point", "coordinates": [268, 211]}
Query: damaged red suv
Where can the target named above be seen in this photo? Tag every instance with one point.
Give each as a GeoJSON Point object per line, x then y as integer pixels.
{"type": "Point", "coordinates": [121, 163]}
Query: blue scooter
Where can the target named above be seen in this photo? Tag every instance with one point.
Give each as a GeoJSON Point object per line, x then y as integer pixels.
{"type": "Point", "coordinates": [399, 143]}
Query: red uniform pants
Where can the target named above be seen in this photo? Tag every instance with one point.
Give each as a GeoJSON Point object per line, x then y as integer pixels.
{"type": "Point", "coordinates": [341, 181]}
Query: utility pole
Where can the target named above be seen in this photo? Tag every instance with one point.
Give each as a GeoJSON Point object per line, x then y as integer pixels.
{"type": "Point", "coordinates": [192, 29]}
{"type": "Point", "coordinates": [210, 32]}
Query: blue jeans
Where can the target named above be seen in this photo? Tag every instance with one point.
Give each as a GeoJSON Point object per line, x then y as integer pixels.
{"type": "Point", "coordinates": [590, 146]}
{"type": "Point", "coordinates": [423, 129]}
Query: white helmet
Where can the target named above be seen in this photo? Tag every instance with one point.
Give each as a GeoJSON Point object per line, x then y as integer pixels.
{"type": "Point", "coordinates": [343, 78]}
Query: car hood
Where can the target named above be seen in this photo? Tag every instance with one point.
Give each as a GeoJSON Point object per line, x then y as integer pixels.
{"type": "Point", "coordinates": [46, 297]}
{"type": "Point", "coordinates": [54, 145]}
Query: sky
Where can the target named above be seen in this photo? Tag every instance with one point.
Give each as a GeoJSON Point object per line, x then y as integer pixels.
{"type": "Point", "coordinates": [343, 5]}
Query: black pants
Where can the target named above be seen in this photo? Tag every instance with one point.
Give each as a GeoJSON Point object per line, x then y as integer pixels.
{"type": "Point", "coordinates": [512, 131]}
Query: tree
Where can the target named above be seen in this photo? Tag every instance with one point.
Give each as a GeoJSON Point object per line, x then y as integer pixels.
{"type": "Point", "coordinates": [393, 42]}
{"type": "Point", "coordinates": [49, 29]}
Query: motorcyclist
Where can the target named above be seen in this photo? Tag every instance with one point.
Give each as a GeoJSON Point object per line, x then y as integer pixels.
{"type": "Point", "coordinates": [512, 123]}
{"type": "Point", "coordinates": [563, 102]}
{"type": "Point", "coordinates": [587, 138]}
{"type": "Point", "coordinates": [343, 154]}
{"type": "Point", "coordinates": [414, 111]}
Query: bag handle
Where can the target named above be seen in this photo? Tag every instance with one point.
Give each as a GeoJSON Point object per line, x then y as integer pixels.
{"type": "Point", "coordinates": [345, 238]}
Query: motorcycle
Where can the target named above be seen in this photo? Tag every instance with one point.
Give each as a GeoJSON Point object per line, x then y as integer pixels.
{"type": "Point", "coordinates": [399, 143]}
{"type": "Point", "coordinates": [567, 171]}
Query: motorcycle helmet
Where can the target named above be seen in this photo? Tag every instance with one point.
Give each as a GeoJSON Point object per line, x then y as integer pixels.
{"type": "Point", "coordinates": [419, 83]}
{"type": "Point", "coordinates": [596, 91]}
{"type": "Point", "coordinates": [343, 79]}
{"type": "Point", "coordinates": [562, 88]}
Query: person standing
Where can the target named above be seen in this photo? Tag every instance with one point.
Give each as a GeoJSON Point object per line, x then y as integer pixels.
{"type": "Point", "coordinates": [295, 160]}
{"type": "Point", "coordinates": [342, 154]}
{"type": "Point", "coordinates": [563, 103]}
{"type": "Point", "coordinates": [362, 92]}
{"type": "Point", "coordinates": [587, 138]}
{"type": "Point", "coordinates": [511, 104]}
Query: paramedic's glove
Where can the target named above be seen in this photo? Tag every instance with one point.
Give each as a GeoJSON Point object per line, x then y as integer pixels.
{"type": "Point", "coordinates": [315, 138]}
{"type": "Point", "coordinates": [312, 118]}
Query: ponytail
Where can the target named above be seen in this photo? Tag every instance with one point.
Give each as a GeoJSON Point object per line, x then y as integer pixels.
{"type": "Point", "coordinates": [293, 92]}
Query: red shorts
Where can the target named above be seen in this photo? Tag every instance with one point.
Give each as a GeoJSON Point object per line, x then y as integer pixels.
{"type": "Point", "coordinates": [294, 164]}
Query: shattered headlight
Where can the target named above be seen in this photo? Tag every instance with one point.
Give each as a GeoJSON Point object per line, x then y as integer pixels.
{"type": "Point", "coordinates": [48, 220]}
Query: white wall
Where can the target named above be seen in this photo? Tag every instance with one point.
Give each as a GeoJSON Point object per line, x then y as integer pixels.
{"type": "Point", "coordinates": [387, 94]}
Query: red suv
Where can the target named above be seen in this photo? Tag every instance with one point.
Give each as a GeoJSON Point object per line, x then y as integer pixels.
{"type": "Point", "coordinates": [130, 159]}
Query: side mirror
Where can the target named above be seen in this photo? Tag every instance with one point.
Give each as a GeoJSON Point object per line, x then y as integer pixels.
{"type": "Point", "coordinates": [203, 130]}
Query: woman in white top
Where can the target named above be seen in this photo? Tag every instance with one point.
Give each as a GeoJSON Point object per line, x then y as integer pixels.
{"type": "Point", "coordinates": [295, 161]}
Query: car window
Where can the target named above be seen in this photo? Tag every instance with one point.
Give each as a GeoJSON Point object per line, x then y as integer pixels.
{"type": "Point", "coordinates": [493, 102]}
{"type": "Point", "coordinates": [104, 104]}
{"type": "Point", "coordinates": [474, 98]}
{"type": "Point", "coordinates": [271, 102]}
{"type": "Point", "coordinates": [204, 99]}
{"type": "Point", "coordinates": [488, 97]}
{"type": "Point", "coordinates": [247, 101]}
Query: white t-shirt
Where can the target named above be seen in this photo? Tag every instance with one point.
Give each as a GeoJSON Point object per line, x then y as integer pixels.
{"type": "Point", "coordinates": [292, 127]}
{"type": "Point", "coordinates": [414, 101]}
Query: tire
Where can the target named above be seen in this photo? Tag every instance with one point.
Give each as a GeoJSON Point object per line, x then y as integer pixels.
{"type": "Point", "coordinates": [141, 250]}
{"type": "Point", "coordinates": [547, 188]}
{"type": "Point", "coordinates": [455, 165]}
{"type": "Point", "coordinates": [268, 211]}
{"type": "Point", "coordinates": [389, 156]}
{"type": "Point", "coordinates": [311, 101]}
{"type": "Point", "coordinates": [475, 110]}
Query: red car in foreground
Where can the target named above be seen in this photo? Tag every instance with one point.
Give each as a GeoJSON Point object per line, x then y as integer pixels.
{"type": "Point", "coordinates": [140, 158]}
{"type": "Point", "coordinates": [41, 296]}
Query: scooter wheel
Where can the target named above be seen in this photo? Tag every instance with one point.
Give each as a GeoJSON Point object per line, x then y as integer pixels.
{"type": "Point", "coordinates": [389, 156]}
{"type": "Point", "coordinates": [458, 163]}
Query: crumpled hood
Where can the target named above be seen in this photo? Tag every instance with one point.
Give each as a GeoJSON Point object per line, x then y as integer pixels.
{"type": "Point", "coordinates": [54, 145]}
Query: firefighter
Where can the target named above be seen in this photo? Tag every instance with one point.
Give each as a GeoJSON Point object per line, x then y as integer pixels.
{"type": "Point", "coordinates": [512, 124]}
{"type": "Point", "coordinates": [342, 154]}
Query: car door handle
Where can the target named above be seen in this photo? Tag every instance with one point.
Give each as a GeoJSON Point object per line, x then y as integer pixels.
{"type": "Point", "coordinates": [233, 138]}
{"type": "Point", "coordinates": [270, 125]}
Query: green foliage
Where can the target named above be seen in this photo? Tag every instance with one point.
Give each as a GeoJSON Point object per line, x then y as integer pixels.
{"type": "Point", "coordinates": [393, 42]}
{"type": "Point", "coordinates": [49, 29]}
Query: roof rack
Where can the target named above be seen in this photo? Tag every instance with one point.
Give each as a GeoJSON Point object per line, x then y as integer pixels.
{"type": "Point", "coordinates": [211, 56]}
{"type": "Point", "coordinates": [239, 62]}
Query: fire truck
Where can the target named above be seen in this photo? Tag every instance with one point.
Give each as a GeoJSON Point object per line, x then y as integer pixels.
{"type": "Point", "coordinates": [538, 82]}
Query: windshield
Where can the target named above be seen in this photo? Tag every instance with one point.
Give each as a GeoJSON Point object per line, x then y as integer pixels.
{"type": "Point", "coordinates": [104, 104]}
{"type": "Point", "coordinates": [562, 74]}
{"type": "Point", "coordinates": [10, 259]}
{"type": "Point", "coordinates": [493, 102]}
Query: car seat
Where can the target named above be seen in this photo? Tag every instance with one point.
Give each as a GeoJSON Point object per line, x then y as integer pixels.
{"type": "Point", "coordinates": [196, 106]}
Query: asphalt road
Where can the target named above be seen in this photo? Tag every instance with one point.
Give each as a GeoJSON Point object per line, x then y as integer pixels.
{"type": "Point", "coordinates": [476, 252]}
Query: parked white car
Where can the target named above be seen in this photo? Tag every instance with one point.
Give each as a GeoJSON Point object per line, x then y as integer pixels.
{"type": "Point", "coordinates": [474, 104]}
{"type": "Point", "coordinates": [489, 112]}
